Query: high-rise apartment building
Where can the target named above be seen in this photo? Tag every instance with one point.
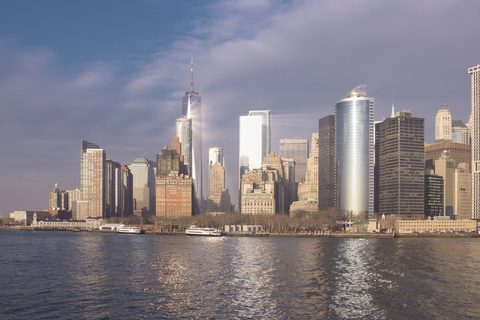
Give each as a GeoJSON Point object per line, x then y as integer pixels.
{"type": "Point", "coordinates": [254, 140]}
{"type": "Point", "coordinates": [354, 163]}
{"type": "Point", "coordinates": [399, 165]}
{"type": "Point", "coordinates": [183, 130]}
{"type": "Point", "coordinates": [326, 162]}
{"type": "Point", "coordinates": [297, 150]}
{"type": "Point", "coordinates": [191, 108]}
{"type": "Point", "coordinates": [84, 145]}
{"type": "Point", "coordinates": [475, 133]}
{"type": "Point", "coordinates": [93, 181]}
{"type": "Point", "coordinates": [143, 180]}
{"type": "Point", "coordinates": [443, 124]}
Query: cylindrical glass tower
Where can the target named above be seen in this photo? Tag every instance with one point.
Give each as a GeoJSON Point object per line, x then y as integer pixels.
{"type": "Point", "coordinates": [354, 163]}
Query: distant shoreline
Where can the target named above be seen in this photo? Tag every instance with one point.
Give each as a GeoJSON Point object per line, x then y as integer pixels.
{"type": "Point", "coordinates": [291, 234]}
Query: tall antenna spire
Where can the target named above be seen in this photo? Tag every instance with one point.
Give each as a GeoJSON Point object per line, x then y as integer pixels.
{"type": "Point", "coordinates": [191, 71]}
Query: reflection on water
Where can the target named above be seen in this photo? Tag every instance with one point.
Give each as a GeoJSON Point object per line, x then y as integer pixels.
{"type": "Point", "coordinates": [92, 275]}
{"type": "Point", "coordinates": [353, 281]}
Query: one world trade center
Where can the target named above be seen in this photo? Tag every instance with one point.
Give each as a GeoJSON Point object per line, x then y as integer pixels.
{"type": "Point", "coordinates": [192, 109]}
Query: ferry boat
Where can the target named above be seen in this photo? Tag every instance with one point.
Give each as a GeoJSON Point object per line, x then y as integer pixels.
{"type": "Point", "coordinates": [133, 230]}
{"type": "Point", "coordinates": [197, 231]}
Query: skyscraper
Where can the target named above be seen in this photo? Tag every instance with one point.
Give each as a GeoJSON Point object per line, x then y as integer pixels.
{"type": "Point", "coordinates": [183, 130]}
{"type": "Point", "coordinates": [475, 132]}
{"type": "Point", "coordinates": [399, 165]}
{"type": "Point", "coordinates": [443, 124]}
{"type": "Point", "coordinates": [354, 161]}
{"type": "Point", "coordinates": [308, 189]}
{"type": "Point", "coordinates": [143, 182]}
{"type": "Point", "coordinates": [255, 139]}
{"type": "Point", "coordinates": [296, 149]}
{"type": "Point", "coordinates": [326, 162]}
{"type": "Point", "coordinates": [191, 108]}
{"type": "Point", "coordinates": [93, 182]}
{"type": "Point", "coordinates": [460, 132]}
{"type": "Point", "coordinates": [84, 145]}
{"type": "Point", "coordinates": [215, 155]}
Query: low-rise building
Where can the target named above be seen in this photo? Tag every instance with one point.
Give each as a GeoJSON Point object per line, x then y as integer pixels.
{"type": "Point", "coordinates": [435, 225]}
{"type": "Point", "coordinates": [243, 228]}
{"type": "Point", "coordinates": [57, 224]}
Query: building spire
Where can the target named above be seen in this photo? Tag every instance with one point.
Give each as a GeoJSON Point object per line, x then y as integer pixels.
{"type": "Point", "coordinates": [191, 71]}
{"type": "Point", "coordinates": [393, 111]}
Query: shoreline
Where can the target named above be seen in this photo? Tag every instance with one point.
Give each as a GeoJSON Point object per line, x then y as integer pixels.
{"type": "Point", "coordinates": [285, 234]}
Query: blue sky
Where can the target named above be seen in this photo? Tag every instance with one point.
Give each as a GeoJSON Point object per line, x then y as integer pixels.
{"type": "Point", "coordinates": [114, 73]}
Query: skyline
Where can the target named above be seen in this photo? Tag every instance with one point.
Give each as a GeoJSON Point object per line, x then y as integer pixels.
{"type": "Point", "coordinates": [115, 73]}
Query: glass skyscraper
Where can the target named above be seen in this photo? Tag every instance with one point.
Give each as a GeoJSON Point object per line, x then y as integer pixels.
{"type": "Point", "coordinates": [255, 139]}
{"type": "Point", "coordinates": [183, 130]}
{"type": "Point", "coordinates": [191, 108]}
{"type": "Point", "coordinates": [354, 163]}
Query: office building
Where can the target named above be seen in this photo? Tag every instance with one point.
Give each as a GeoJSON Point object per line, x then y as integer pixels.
{"type": "Point", "coordinates": [58, 200]}
{"type": "Point", "coordinates": [297, 150]}
{"type": "Point", "coordinates": [183, 130]}
{"type": "Point", "coordinates": [354, 163]}
{"type": "Point", "coordinates": [460, 132]}
{"type": "Point", "coordinates": [326, 162]}
{"type": "Point", "coordinates": [475, 134]}
{"type": "Point", "coordinates": [445, 168]}
{"type": "Point", "coordinates": [73, 195]}
{"type": "Point", "coordinates": [174, 190]}
{"type": "Point", "coordinates": [443, 124]}
{"type": "Point", "coordinates": [399, 165]}
{"type": "Point", "coordinates": [191, 108]}
{"type": "Point", "coordinates": [254, 140]}
{"type": "Point", "coordinates": [143, 181]}
{"type": "Point", "coordinates": [257, 193]}
{"type": "Point", "coordinates": [110, 187]}
{"type": "Point", "coordinates": [459, 152]}
{"type": "Point", "coordinates": [215, 155]}
{"type": "Point", "coordinates": [219, 198]}
{"type": "Point", "coordinates": [463, 192]}
{"type": "Point", "coordinates": [433, 195]}
{"type": "Point", "coordinates": [308, 189]}
{"type": "Point", "coordinates": [289, 176]}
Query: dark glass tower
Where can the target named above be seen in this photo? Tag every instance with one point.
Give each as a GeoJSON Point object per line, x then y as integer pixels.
{"type": "Point", "coordinates": [192, 109]}
{"type": "Point", "coordinates": [326, 162]}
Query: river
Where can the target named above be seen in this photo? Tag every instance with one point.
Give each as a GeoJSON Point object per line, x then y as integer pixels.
{"type": "Point", "coordinates": [85, 275]}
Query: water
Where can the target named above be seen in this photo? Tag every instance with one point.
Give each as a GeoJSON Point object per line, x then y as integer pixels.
{"type": "Point", "coordinates": [65, 275]}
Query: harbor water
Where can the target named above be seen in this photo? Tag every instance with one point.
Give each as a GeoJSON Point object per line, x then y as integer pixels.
{"type": "Point", "coordinates": [85, 275]}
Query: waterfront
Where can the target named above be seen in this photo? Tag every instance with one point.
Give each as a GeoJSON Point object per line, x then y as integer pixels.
{"type": "Point", "coordinates": [48, 275]}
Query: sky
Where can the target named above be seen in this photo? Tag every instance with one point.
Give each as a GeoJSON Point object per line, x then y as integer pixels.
{"type": "Point", "coordinates": [114, 72]}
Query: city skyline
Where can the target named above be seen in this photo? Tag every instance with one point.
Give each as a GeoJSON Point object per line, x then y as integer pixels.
{"type": "Point", "coordinates": [65, 75]}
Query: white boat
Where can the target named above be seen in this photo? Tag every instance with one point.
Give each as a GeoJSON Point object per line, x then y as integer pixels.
{"type": "Point", "coordinates": [125, 229]}
{"type": "Point", "coordinates": [197, 231]}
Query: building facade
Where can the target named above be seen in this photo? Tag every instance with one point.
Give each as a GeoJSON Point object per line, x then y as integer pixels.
{"type": "Point", "coordinates": [463, 192]}
{"type": "Point", "coordinates": [297, 150]}
{"type": "Point", "coordinates": [84, 145]}
{"type": "Point", "coordinates": [254, 139]}
{"type": "Point", "coordinates": [475, 134]}
{"type": "Point", "coordinates": [354, 163]}
{"type": "Point", "coordinates": [58, 200]}
{"type": "Point", "coordinates": [399, 165]}
{"type": "Point", "coordinates": [326, 162]}
{"type": "Point", "coordinates": [219, 198]}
